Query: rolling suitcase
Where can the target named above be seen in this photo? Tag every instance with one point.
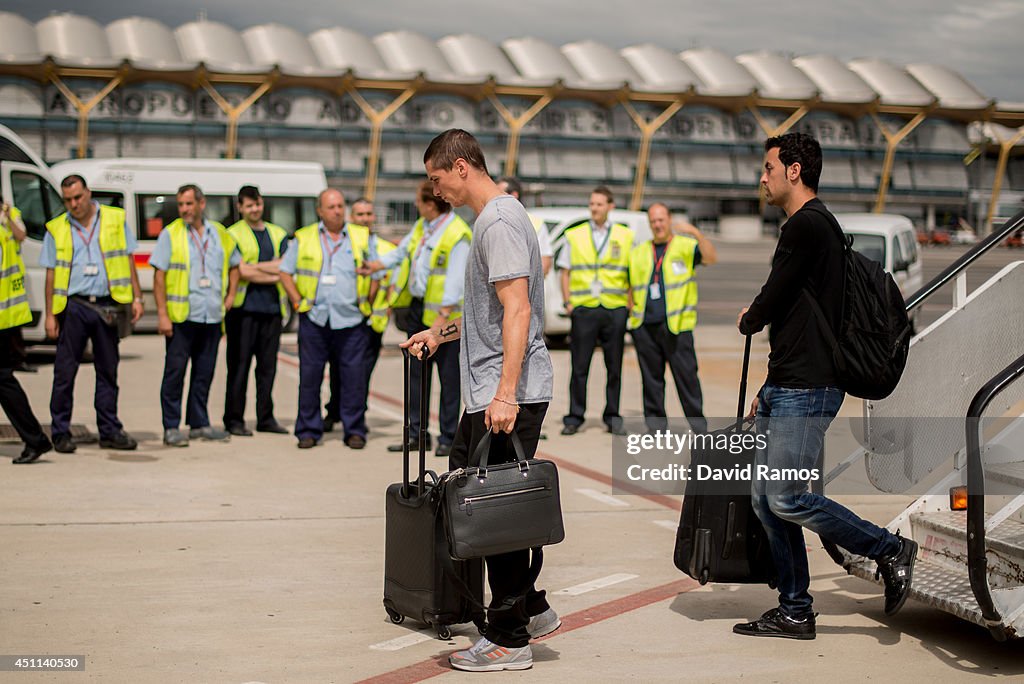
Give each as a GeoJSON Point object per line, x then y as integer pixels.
{"type": "Point", "coordinates": [417, 572]}
{"type": "Point", "coordinates": [720, 538]}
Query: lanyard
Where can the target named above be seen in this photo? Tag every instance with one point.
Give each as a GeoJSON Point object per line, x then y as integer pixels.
{"type": "Point", "coordinates": [597, 255]}
{"type": "Point", "coordinates": [658, 260]}
{"type": "Point", "coordinates": [201, 247]}
{"type": "Point", "coordinates": [92, 231]}
{"type": "Point", "coordinates": [440, 221]}
{"type": "Point", "coordinates": [330, 252]}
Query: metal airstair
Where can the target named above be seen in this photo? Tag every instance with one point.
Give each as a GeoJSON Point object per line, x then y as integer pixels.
{"type": "Point", "coordinates": [957, 420]}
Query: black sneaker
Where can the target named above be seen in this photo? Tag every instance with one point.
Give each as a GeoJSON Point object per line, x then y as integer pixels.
{"type": "Point", "coordinates": [63, 444]}
{"type": "Point", "coordinates": [121, 441]}
{"type": "Point", "coordinates": [775, 623]}
{"type": "Point", "coordinates": [897, 572]}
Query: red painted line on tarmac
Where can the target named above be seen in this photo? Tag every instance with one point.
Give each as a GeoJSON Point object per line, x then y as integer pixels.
{"type": "Point", "coordinates": [669, 502]}
{"type": "Point", "coordinates": [660, 499]}
{"type": "Point", "coordinates": [438, 665]}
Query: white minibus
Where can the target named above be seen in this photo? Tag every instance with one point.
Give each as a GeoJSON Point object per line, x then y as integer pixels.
{"type": "Point", "coordinates": [146, 190]}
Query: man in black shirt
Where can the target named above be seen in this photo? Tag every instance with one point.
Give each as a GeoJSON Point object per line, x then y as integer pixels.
{"type": "Point", "coordinates": [801, 396]}
{"type": "Point", "coordinates": [662, 273]}
{"type": "Point", "coordinates": [253, 324]}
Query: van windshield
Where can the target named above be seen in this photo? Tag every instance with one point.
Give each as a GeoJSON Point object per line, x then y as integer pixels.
{"type": "Point", "coordinates": [871, 246]}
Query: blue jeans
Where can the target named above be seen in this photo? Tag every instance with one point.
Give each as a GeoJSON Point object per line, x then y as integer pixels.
{"type": "Point", "coordinates": [795, 421]}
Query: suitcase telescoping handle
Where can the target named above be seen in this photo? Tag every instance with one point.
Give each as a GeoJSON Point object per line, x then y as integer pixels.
{"type": "Point", "coordinates": [406, 421]}
{"type": "Point", "coordinates": [743, 383]}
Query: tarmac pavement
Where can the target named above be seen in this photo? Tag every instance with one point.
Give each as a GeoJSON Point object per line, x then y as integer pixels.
{"type": "Point", "coordinates": [252, 561]}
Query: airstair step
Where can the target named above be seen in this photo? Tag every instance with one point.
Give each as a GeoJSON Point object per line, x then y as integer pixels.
{"type": "Point", "coordinates": [1007, 538]}
{"type": "Point", "coordinates": [1010, 473]}
{"type": "Point", "coordinates": [934, 585]}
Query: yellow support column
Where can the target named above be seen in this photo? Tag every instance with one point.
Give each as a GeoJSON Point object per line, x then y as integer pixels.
{"type": "Point", "coordinates": [516, 124]}
{"type": "Point", "coordinates": [647, 131]}
{"type": "Point", "coordinates": [377, 119]}
{"type": "Point", "coordinates": [84, 107]}
{"type": "Point", "coordinates": [1005, 147]}
{"type": "Point", "coordinates": [892, 141]}
{"type": "Point", "coordinates": [234, 112]}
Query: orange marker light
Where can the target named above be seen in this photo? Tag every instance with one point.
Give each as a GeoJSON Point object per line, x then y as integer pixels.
{"type": "Point", "coordinates": [958, 498]}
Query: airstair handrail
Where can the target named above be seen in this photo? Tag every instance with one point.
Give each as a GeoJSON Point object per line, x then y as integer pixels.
{"type": "Point", "coordinates": [954, 269]}
{"type": "Point", "coordinates": [977, 562]}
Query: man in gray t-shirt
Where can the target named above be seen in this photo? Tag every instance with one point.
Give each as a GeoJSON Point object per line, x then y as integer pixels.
{"type": "Point", "coordinates": [506, 374]}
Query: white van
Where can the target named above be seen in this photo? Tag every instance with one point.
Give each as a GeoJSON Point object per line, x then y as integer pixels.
{"type": "Point", "coordinates": [146, 190]}
{"type": "Point", "coordinates": [558, 220]}
{"type": "Point", "coordinates": [890, 240]}
{"type": "Point", "coordinates": [26, 182]}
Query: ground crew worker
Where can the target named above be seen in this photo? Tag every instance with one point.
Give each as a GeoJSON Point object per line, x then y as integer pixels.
{"type": "Point", "coordinates": [194, 283]}
{"type": "Point", "coordinates": [14, 313]}
{"type": "Point", "coordinates": [595, 294]}
{"type": "Point", "coordinates": [430, 288]}
{"type": "Point", "coordinates": [87, 254]}
{"type": "Point", "coordinates": [511, 186]}
{"type": "Point", "coordinates": [253, 325]}
{"type": "Point", "coordinates": [319, 274]}
{"type": "Point", "coordinates": [664, 314]}
{"type": "Point", "coordinates": [362, 214]}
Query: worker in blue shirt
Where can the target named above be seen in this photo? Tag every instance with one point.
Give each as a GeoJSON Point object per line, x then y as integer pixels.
{"type": "Point", "coordinates": [318, 273]}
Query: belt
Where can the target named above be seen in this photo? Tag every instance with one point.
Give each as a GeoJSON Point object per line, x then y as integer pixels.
{"type": "Point", "coordinates": [93, 299]}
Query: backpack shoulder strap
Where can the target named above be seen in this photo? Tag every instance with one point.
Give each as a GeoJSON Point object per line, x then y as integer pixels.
{"type": "Point", "coordinates": [819, 315]}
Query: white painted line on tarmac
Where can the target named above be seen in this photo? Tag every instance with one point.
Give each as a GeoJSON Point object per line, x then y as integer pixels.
{"type": "Point", "coordinates": [593, 585]}
{"type": "Point", "coordinates": [667, 524]}
{"type": "Point", "coordinates": [603, 498]}
{"type": "Point", "coordinates": [402, 642]}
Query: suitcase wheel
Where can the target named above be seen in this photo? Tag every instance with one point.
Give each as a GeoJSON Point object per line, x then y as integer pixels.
{"type": "Point", "coordinates": [396, 617]}
{"type": "Point", "coordinates": [703, 577]}
{"type": "Point", "coordinates": [444, 632]}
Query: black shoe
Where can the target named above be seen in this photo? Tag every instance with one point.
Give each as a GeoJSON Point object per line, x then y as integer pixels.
{"type": "Point", "coordinates": [776, 624]}
{"type": "Point", "coordinates": [443, 450]}
{"type": "Point", "coordinates": [63, 444]}
{"type": "Point", "coordinates": [32, 454]}
{"type": "Point", "coordinates": [239, 429]}
{"type": "Point", "coordinates": [330, 422]}
{"type": "Point", "coordinates": [898, 572]}
{"type": "Point", "coordinates": [307, 443]}
{"type": "Point", "coordinates": [570, 429]}
{"type": "Point", "coordinates": [355, 441]}
{"type": "Point", "coordinates": [121, 441]}
{"type": "Point", "coordinates": [616, 429]}
{"type": "Point", "coordinates": [275, 428]}
{"type": "Point", "coordinates": [26, 368]}
{"type": "Point", "coordinates": [414, 446]}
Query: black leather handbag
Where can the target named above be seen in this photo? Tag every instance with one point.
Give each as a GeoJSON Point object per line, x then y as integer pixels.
{"type": "Point", "coordinates": [489, 510]}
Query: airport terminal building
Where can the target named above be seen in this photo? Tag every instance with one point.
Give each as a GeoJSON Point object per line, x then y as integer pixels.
{"type": "Point", "coordinates": [685, 128]}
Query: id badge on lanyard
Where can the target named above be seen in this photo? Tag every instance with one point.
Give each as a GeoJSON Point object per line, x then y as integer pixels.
{"type": "Point", "coordinates": [204, 280]}
{"type": "Point", "coordinates": [655, 291]}
{"type": "Point", "coordinates": [90, 269]}
{"type": "Point", "coordinates": [330, 278]}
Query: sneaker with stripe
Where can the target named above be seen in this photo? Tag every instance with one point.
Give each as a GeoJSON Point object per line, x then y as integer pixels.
{"type": "Point", "coordinates": [487, 656]}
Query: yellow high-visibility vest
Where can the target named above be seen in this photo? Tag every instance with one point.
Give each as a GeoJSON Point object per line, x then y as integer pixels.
{"type": "Point", "coordinates": [310, 261]}
{"type": "Point", "coordinates": [178, 270]}
{"type": "Point", "coordinates": [113, 246]}
{"type": "Point", "coordinates": [249, 246]}
{"type": "Point", "coordinates": [14, 309]}
{"type": "Point", "coordinates": [455, 232]}
{"type": "Point", "coordinates": [610, 272]}
{"type": "Point", "coordinates": [678, 285]}
{"type": "Point", "coordinates": [379, 313]}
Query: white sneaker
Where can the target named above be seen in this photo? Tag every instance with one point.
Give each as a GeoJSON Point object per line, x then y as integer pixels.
{"type": "Point", "coordinates": [543, 624]}
{"type": "Point", "coordinates": [487, 656]}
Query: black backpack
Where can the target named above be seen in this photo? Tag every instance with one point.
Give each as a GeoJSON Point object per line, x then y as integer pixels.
{"type": "Point", "coordinates": [870, 349]}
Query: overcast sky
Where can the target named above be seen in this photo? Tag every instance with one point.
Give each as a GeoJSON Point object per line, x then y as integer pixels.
{"type": "Point", "coordinates": [981, 39]}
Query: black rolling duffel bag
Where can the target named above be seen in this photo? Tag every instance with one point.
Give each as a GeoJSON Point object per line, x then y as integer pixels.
{"type": "Point", "coordinates": [720, 538]}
